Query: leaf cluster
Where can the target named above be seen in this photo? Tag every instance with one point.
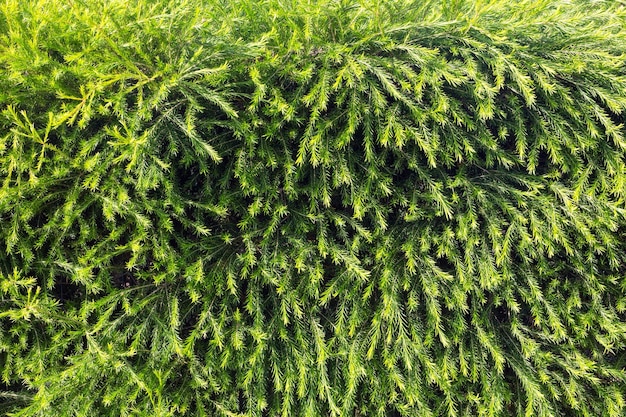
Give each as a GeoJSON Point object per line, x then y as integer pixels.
{"type": "Point", "coordinates": [312, 208]}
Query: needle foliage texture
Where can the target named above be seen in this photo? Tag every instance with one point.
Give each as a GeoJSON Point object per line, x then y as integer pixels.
{"type": "Point", "coordinates": [312, 208]}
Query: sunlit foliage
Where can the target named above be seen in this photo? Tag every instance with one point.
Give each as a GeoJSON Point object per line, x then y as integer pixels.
{"type": "Point", "coordinates": [312, 208]}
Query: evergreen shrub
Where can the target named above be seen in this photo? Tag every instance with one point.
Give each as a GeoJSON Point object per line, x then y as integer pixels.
{"type": "Point", "coordinates": [296, 208]}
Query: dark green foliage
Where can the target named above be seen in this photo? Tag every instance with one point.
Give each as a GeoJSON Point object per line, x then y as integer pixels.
{"type": "Point", "coordinates": [312, 208]}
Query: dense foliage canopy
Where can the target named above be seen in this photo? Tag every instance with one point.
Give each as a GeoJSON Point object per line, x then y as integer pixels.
{"type": "Point", "coordinates": [312, 208]}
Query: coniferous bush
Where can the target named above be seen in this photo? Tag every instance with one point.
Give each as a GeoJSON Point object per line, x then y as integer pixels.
{"type": "Point", "coordinates": [345, 208]}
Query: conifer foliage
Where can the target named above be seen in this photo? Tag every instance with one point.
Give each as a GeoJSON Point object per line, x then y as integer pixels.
{"type": "Point", "coordinates": [329, 208]}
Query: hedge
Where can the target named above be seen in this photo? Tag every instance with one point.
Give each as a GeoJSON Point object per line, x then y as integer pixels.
{"type": "Point", "coordinates": [296, 208]}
